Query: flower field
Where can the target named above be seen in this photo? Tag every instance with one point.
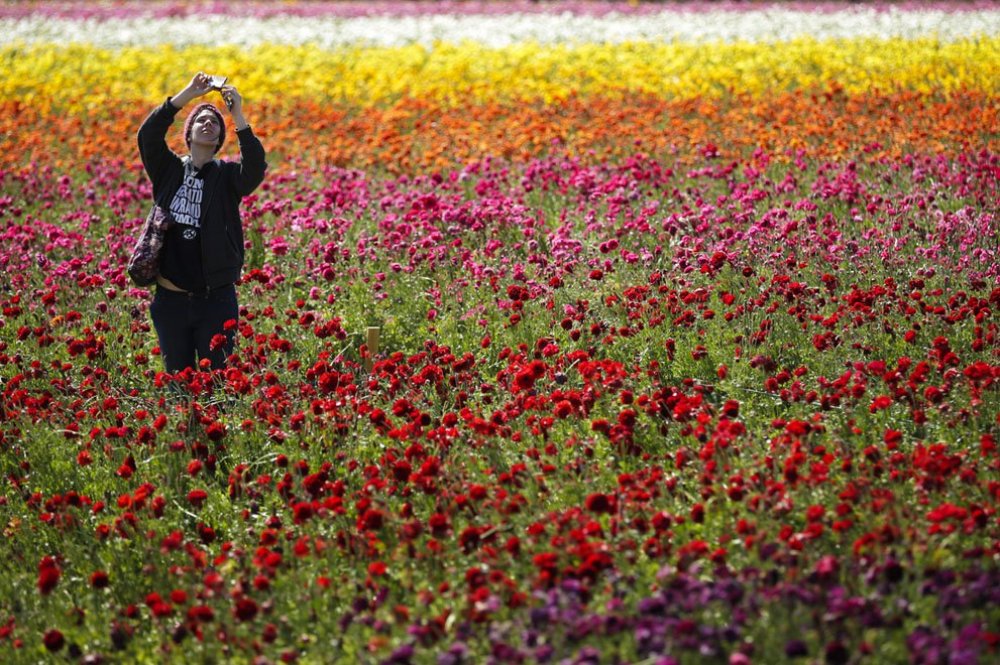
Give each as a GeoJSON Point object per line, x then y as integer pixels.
{"type": "Point", "coordinates": [688, 338]}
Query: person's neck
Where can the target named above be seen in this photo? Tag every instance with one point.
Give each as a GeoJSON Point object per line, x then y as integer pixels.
{"type": "Point", "coordinates": [201, 155]}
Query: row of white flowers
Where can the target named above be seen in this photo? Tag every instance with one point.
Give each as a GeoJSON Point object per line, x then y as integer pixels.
{"type": "Point", "coordinates": [771, 24]}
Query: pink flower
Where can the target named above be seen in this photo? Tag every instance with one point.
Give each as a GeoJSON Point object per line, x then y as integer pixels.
{"type": "Point", "coordinates": [827, 566]}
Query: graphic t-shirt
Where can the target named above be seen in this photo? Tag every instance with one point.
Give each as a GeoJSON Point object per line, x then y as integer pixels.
{"type": "Point", "coordinates": [186, 206]}
{"type": "Point", "coordinates": [181, 259]}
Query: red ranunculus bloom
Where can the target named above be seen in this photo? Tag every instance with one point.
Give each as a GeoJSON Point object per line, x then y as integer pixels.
{"type": "Point", "coordinates": [245, 609]}
{"type": "Point", "coordinates": [197, 497]}
{"type": "Point", "coordinates": [53, 640]}
{"type": "Point", "coordinates": [99, 579]}
{"type": "Point", "coordinates": [600, 503]}
{"type": "Point", "coordinates": [48, 575]}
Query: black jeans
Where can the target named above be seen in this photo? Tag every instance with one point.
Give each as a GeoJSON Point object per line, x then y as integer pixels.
{"type": "Point", "coordinates": [186, 323]}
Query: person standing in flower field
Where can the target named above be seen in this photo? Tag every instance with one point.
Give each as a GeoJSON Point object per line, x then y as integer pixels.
{"type": "Point", "coordinates": [194, 308]}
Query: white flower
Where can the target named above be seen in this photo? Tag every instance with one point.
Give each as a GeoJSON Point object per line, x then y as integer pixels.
{"type": "Point", "coordinates": [771, 24]}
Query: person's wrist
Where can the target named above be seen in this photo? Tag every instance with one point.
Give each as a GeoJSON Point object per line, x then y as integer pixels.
{"type": "Point", "coordinates": [181, 98]}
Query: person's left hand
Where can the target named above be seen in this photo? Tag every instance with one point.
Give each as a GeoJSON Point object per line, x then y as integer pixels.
{"type": "Point", "coordinates": [232, 99]}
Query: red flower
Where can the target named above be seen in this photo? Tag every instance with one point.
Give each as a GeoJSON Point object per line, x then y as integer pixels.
{"type": "Point", "coordinates": [401, 470]}
{"type": "Point", "coordinates": [53, 640]}
{"type": "Point", "coordinates": [160, 608]}
{"type": "Point", "coordinates": [546, 561]}
{"type": "Point", "coordinates": [879, 403]}
{"type": "Point", "coordinates": [371, 520]}
{"type": "Point", "coordinates": [217, 342]}
{"type": "Point", "coordinates": [302, 511]}
{"type": "Point", "coordinates": [48, 575]}
{"type": "Point", "coordinates": [815, 513]}
{"type": "Point", "coordinates": [197, 497]}
{"type": "Point", "coordinates": [439, 524]}
{"type": "Point", "coordinates": [201, 613]}
{"type": "Point", "coordinates": [245, 610]}
{"type": "Point", "coordinates": [215, 431]}
{"type": "Point", "coordinates": [206, 533]}
{"type": "Point", "coordinates": [99, 579]}
{"type": "Point", "coordinates": [524, 380]}
{"type": "Point", "coordinates": [563, 409]}
{"type": "Point", "coordinates": [600, 425]}
{"type": "Point", "coordinates": [314, 483]}
{"type": "Point", "coordinates": [600, 503]}
{"type": "Point", "coordinates": [470, 537]}
{"type": "Point", "coordinates": [172, 541]}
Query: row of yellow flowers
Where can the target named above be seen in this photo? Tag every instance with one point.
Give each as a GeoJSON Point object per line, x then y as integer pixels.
{"type": "Point", "coordinates": [75, 78]}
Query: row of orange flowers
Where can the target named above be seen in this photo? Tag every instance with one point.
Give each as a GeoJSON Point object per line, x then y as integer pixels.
{"type": "Point", "coordinates": [417, 134]}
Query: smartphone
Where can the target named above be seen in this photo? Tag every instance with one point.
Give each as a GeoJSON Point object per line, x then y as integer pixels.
{"type": "Point", "coordinates": [218, 81]}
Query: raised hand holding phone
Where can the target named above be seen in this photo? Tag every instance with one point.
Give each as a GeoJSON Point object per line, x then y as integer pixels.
{"type": "Point", "coordinates": [199, 85]}
{"type": "Point", "coordinates": [234, 103]}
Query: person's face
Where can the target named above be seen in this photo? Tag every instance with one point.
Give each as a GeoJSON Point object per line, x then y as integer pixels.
{"type": "Point", "coordinates": [206, 129]}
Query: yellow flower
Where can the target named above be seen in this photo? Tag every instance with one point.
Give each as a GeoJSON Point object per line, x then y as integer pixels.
{"type": "Point", "coordinates": [77, 78]}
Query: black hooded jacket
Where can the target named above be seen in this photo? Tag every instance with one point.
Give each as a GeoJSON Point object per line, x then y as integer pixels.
{"type": "Point", "coordinates": [221, 226]}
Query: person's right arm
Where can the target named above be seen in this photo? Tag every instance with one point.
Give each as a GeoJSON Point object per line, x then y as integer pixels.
{"type": "Point", "coordinates": [156, 155]}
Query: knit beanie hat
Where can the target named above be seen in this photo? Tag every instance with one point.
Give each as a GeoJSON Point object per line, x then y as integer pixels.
{"type": "Point", "coordinates": [189, 123]}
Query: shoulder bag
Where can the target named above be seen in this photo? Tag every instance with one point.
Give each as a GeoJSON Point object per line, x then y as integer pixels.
{"type": "Point", "coordinates": [144, 264]}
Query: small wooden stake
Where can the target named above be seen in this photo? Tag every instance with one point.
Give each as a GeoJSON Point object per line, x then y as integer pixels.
{"type": "Point", "coordinates": [371, 345]}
